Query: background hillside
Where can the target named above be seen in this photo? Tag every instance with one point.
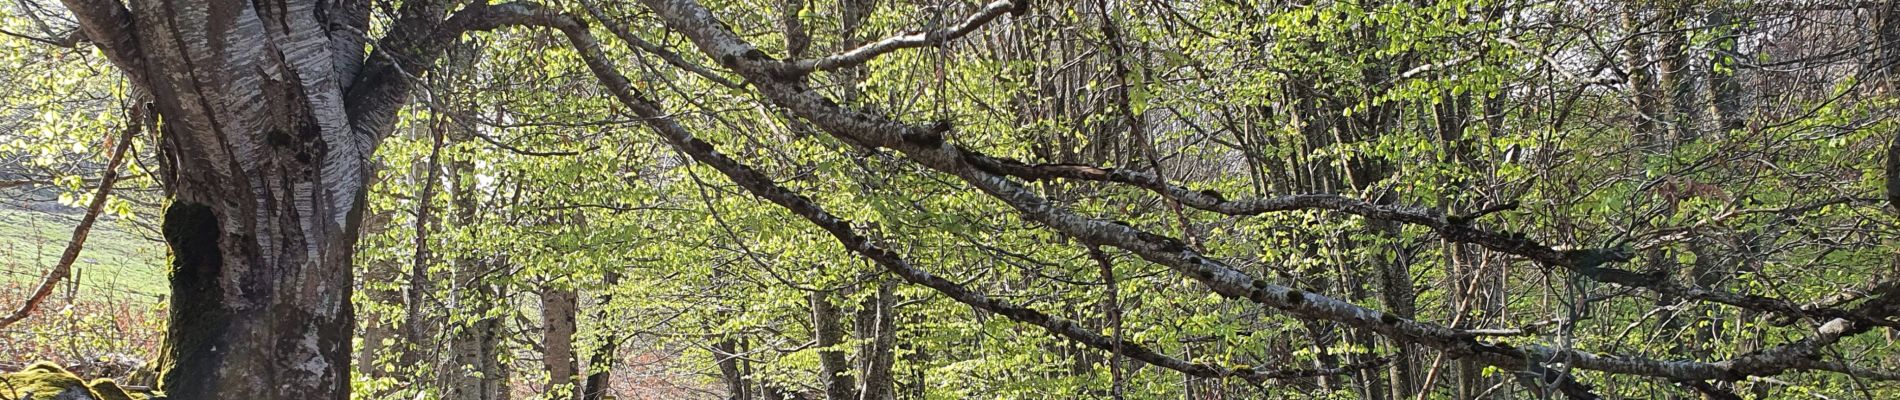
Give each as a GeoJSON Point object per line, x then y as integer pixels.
{"type": "Point", "coordinates": [111, 307]}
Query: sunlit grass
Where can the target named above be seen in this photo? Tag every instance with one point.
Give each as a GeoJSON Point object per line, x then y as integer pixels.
{"type": "Point", "coordinates": [117, 257]}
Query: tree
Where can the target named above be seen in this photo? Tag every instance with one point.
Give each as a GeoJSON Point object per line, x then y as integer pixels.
{"type": "Point", "coordinates": [269, 112]}
{"type": "Point", "coordinates": [1097, 199]}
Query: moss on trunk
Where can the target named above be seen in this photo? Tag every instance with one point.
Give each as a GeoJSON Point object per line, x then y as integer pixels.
{"type": "Point", "coordinates": [198, 317]}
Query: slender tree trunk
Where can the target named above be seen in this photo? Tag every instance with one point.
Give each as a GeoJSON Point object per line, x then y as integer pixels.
{"type": "Point", "coordinates": [1111, 306]}
{"type": "Point", "coordinates": [1677, 78]}
{"type": "Point", "coordinates": [1477, 286]}
{"type": "Point", "coordinates": [498, 370]}
{"type": "Point", "coordinates": [1394, 284]}
{"type": "Point", "coordinates": [601, 364]}
{"type": "Point", "coordinates": [1642, 85]}
{"type": "Point", "coordinates": [375, 329]}
{"type": "Point", "coordinates": [474, 371]}
{"type": "Point", "coordinates": [1887, 42]}
{"type": "Point", "coordinates": [558, 306]}
{"type": "Point", "coordinates": [828, 332]}
{"type": "Point", "coordinates": [726, 354]}
{"type": "Point", "coordinates": [877, 328]}
{"type": "Point", "coordinates": [1309, 115]}
{"type": "Point", "coordinates": [419, 323]}
{"type": "Point", "coordinates": [1725, 92]}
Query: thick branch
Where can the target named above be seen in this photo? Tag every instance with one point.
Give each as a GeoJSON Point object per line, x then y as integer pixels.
{"type": "Point", "coordinates": [419, 36]}
{"type": "Point", "coordinates": [1586, 262]}
{"type": "Point", "coordinates": [108, 24]}
{"type": "Point", "coordinates": [668, 56]}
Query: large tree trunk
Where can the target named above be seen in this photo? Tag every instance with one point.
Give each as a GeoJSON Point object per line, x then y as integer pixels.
{"type": "Point", "coordinates": [260, 286]}
{"type": "Point", "coordinates": [271, 109]}
{"type": "Point", "coordinates": [266, 180]}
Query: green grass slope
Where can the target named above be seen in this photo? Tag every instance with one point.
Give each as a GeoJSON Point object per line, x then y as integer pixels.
{"type": "Point", "coordinates": [117, 257]}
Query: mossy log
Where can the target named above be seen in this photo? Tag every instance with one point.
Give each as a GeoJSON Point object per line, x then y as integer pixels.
{"type": "Point", "coordinates": [46, 381]}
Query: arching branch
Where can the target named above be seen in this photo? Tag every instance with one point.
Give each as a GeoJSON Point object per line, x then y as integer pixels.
{"type": "Point", "coordinates": [668, 56]}
{"type": "Point", "coordinates": [764, 187]}
{"type": "Point", "coordinates": [1460, 229]}
{"type": "Point", "coordinates": [866, 53]}
{"type": "Point", "coordinates": [418, 37]}
{"type": "Point", "coordinates": [924, 145]}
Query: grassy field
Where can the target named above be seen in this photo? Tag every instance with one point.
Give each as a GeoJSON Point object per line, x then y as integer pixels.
{"type": "Point", "coordinates": [117, 257]}
{"type": "Point", "coordinates": [111, 305]}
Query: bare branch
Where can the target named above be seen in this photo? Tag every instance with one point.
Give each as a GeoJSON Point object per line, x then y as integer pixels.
{"type": "Point", "coordinates": [871, 51]}
{"type": "Point", "coordinates": [67, 40]}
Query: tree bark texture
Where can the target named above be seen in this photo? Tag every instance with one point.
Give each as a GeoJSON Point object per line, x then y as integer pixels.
{"type": "Point", "coordinates": [558, 307]}
{"type": "Point", "coordinates": [270, 110]}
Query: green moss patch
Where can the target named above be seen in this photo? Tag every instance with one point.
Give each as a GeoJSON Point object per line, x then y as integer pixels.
{"type": "Point", "coordinates": [45, 381]}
